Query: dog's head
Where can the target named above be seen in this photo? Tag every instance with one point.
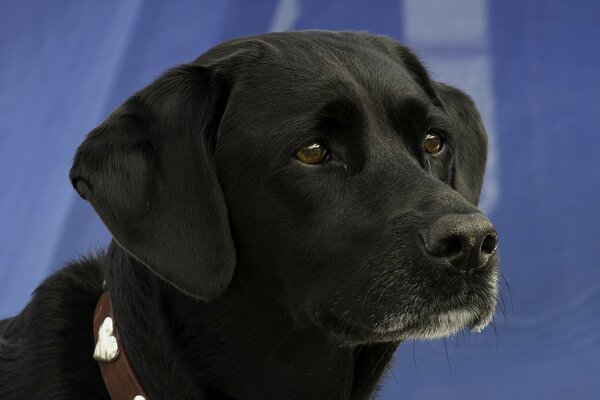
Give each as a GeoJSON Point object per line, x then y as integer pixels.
{"type": "Point", "coordinates": [325, 169]}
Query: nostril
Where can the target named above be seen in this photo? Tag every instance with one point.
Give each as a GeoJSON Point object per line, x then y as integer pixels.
{"type": "Point", "coordinates": [446, 247]}
{"type": "Point", "coordinates": [490, 243]}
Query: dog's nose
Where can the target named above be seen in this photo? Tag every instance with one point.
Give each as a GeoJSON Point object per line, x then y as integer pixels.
{"type": "Point", "coordinates": [465, 241]}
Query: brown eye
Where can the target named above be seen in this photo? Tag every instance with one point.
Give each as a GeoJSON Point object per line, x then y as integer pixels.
{"type": "Point", "coordinates": [434, 143]}
{"type": "Point", "coordinates": [314, 153]}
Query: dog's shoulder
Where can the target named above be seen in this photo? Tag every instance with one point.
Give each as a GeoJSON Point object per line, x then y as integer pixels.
{"type": "Point", "coordinates": [52, 337]}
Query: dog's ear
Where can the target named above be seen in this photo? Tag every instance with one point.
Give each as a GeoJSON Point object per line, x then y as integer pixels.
{"type": "Point", "coordinates": [149, 172]}
{"type": "Point", "coordinates": [470, 152]}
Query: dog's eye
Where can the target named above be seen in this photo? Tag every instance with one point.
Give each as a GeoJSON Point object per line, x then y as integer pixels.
{"type": "Point", "coordinates": [434, 142]}
{"type": "Point", "coordinates": [314, 153]}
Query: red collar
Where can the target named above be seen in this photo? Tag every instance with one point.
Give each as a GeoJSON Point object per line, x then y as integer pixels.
{"type": "Point", "coordinates": [119, 376]}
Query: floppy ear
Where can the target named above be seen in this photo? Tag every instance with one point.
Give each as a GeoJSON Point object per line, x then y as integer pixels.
{"type": "Point", "coordinates": [471, 141]}
{"type": "Point", "coordinates": [149, 173]}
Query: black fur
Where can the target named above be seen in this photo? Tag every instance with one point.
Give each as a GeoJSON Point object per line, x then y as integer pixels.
{"type": "Point", "coordinates": [236, 271]}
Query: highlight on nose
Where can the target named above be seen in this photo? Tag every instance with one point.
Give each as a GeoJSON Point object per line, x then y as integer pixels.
{"type": "Point", "coordinates": [465, 241]}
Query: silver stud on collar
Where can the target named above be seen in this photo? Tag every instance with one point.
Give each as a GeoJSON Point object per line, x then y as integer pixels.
{"type": "Point", "coordinates": [107, 348]}
{"type": "Point", "coordinates": [138, 397]}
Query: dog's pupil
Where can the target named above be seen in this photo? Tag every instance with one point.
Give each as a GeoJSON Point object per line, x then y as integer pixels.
{"type": "Point", "coordinates": [433, 143]}
{"type": "Point", "coordinates": [311, 154]}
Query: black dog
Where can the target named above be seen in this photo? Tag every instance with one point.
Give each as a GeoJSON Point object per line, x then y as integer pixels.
{"type": "Point", "coordinates": [286, 210]}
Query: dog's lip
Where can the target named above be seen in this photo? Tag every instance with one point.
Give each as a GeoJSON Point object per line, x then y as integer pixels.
{"type": "Point", "coordinates": [352, 330]}
{"type": "Point", "coordinates": [469, 299]}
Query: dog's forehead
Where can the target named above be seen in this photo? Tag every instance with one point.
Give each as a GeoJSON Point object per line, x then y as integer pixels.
{"type": "Point", "coordinates": [314, 66]}
{"type": "Point", "coordinates": [285, 87]}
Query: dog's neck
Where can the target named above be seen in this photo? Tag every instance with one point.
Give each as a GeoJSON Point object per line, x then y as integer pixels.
{"type": "Point", "coordinates": [233, 347]}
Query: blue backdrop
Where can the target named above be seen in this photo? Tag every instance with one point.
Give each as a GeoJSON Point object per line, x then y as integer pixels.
{"type": "Point", "coordinates": [532, 66]}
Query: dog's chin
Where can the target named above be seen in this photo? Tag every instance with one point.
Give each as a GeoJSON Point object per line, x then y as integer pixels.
{"type": "Point", "coordinates": [436, 325]}
{"type": "Point", "coordinates": [398, 328]}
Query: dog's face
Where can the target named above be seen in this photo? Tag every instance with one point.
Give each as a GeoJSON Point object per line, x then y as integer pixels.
{"type": "Point", "coordinates": [325, 169]}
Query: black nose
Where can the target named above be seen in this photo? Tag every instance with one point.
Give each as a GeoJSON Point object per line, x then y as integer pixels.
{"type": "Point", "coordinates": [466, 241]}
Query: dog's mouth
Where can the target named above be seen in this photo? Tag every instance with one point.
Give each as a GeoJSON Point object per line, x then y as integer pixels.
{"type": "Point", "coordinates": [412, 302]}
{"type": "Point", "coordinates": [436, 325]}
{"type": "Point", "coordinates": [437, 321]}
{"type": "Point", "coordinates": [407, 326]}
